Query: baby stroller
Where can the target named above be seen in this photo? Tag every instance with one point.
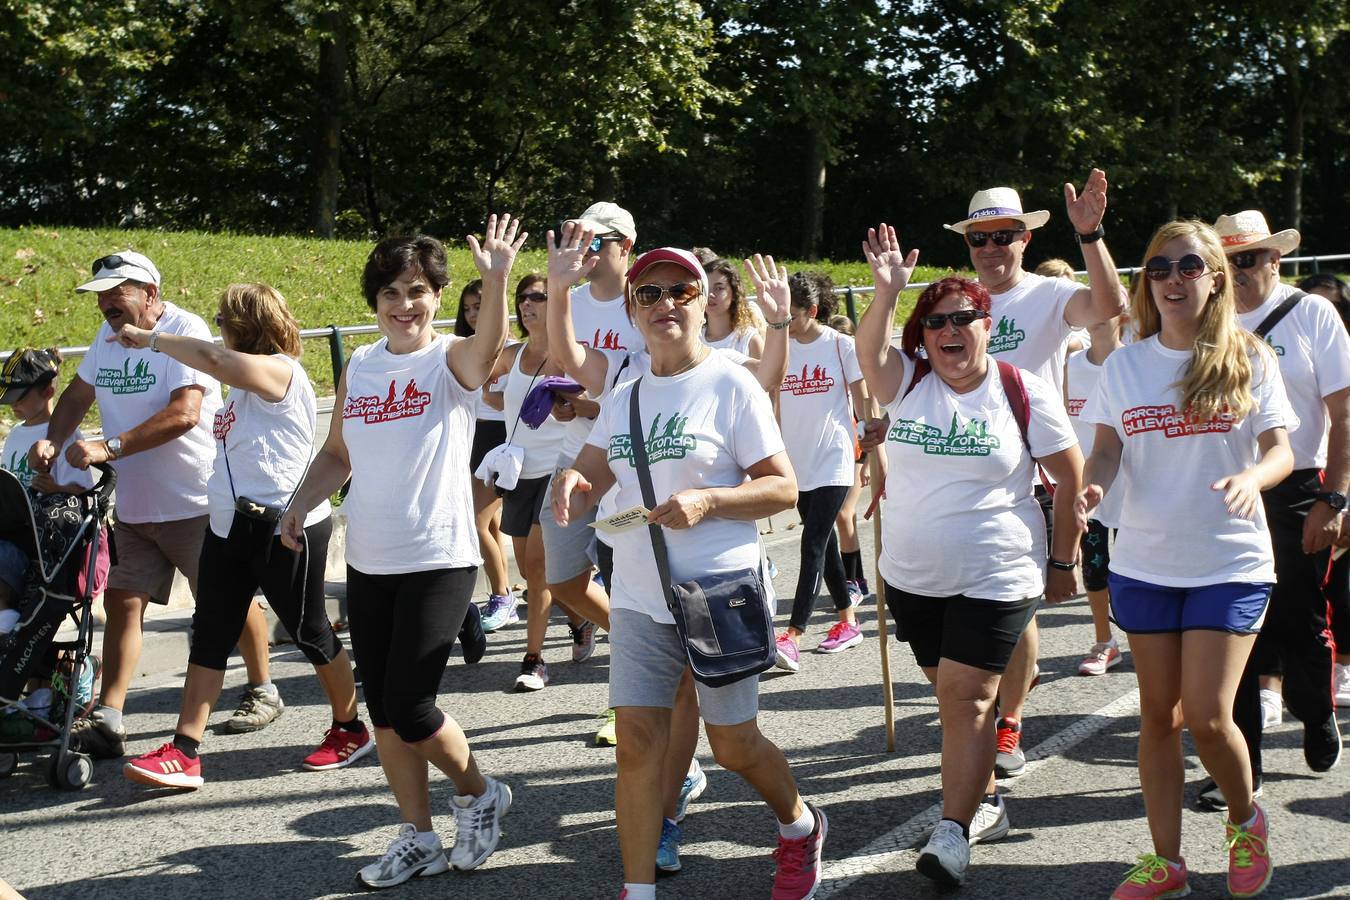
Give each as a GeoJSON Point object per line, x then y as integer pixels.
{"type": "Point", "coordinates": [62, 535]}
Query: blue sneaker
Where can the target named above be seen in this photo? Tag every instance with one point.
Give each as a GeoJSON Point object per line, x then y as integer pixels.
{"type": "Point", "coordinates": [855, 594]}
{"type": "Point", "coordinates": [693, 788]}
{"type": "Point", "coordinates": [668, 851]}
{"type": "Point", "coordinates": [500, 612]}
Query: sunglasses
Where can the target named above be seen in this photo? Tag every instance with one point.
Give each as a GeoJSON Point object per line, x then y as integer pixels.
{"type": "Point", "coordinates": [111, 262]}
{"type": "Point", "coordinates": [682, 293]}
{"type": "Point", "coordinates": [1246, 259]}
{"type": "Point", "coordinates": [532, 296]}
{"type": "Point", "coordinates": [1003, 237]}
{"type": "Point", "coordinates": [961, 318]}
{"type": "Point", "coordinates": [1190, 266]}
{"type": "Point", "coordinates": [600, 240]}
{"type": "Point", "coordinates": [220, 320]}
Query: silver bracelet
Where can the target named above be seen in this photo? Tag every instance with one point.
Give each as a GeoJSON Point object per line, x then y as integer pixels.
{"type": "Point", "coordinates": [154, 338]}
{"type": "Point", "coordinates": [783, 324]}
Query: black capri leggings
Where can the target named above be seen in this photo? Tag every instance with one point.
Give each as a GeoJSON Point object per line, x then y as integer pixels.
{"type": "Point", "coordinates": [293, 587]}
{"type": "Point", "coordinates": [820, 552]}
{"type": "Point", "coordinates": [402, 629]}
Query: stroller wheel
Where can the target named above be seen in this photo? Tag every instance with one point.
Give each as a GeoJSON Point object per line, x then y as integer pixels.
{"type": "Point", "coordinates": [8, 763]}
{"type": "Point", "coordinates": [71, 772]}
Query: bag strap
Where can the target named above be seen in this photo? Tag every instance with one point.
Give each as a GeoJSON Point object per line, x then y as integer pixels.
{"type": "Point", "coordinates": [921, 368]}
{"type": "Point", "coordinates": [638, 445]}
{"type": "Point", "coordinates": [1276, 314]}
{"type": "Point", "coordinates": [848, 395]}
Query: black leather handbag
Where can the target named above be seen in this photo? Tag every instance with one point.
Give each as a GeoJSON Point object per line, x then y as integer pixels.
{"type": "Point", "coordinates": [723, 620]}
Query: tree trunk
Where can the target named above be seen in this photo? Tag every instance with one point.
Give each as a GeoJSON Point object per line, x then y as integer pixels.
{"type": "Point", "coordinates": [813, 209]}
{"type": "Point", "coordinates": [1294, 116]}
{"type": "Point", "coordinates": [606, 184]}
{"type": "Point", "coordinates": [330, 94]}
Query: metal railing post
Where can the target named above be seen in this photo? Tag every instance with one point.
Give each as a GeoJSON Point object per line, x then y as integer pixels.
{"type": "Point", "coordinates": [339, 359]}
{"type": "Point", "coordinates": [850, 307]}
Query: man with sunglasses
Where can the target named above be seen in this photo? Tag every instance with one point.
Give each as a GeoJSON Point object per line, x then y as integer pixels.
{"type": "Point", "coordinates": [1304, 511]}
{"type": "Point", "coordinates": [1033, 320]}
{"type": "Point", "coordinates": [157, 416]}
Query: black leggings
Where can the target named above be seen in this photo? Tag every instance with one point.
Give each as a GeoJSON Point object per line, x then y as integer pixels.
{"type": "Point", "coordinates": [293, 587]}
{"type": "Point", "coordinates": [820, 552]}
{"type": "Point", "coordinates": [402, 628]}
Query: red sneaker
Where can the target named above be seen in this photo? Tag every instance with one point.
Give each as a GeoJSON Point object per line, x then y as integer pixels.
{"type": "Point", "coordinates": [1249, 867]}
{"type": "Point", "coordinates": [165, 767]}
{"type": "Point", "coordinates": [798, 873]}
{"type": "Point", "coordinates": [340, 748]}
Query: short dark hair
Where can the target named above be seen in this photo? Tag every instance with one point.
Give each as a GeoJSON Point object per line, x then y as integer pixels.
{"type": "Point", "coordinates": [805, 290]}
{"type": "Point", "coordinates": [1327, 281]}
{"type": "Point", "coordinates": [526, 280]}
{"type": "Point", "coordinates": [462, 326]}
{"type": "Point", "coordinates": [396, 255]}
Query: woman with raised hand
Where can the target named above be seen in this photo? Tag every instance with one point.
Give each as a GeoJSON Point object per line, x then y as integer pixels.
{"type": "Point", "coordinates": [963, 549]}
{"type": "Point", "coordinates": [716, 457]}
{"type": "Point", "coordinates": [264, 443]}
{"type": "Point", "coordinates": [1192, 421]}
{"type": "Point", "coordinates": [732, 322]}
{"type": "Point", "coordinates": [405, 408]}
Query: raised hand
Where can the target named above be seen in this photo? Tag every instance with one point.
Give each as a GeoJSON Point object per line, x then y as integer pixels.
{"type": "Point", "coordinates": [891, 266]}
{"type": "Point", "coordinates": [131, 337]}
{"type": "Point", "coordinates": [771, 287]}
{"type": "Point", "coordinates": [1086, 210]}
{"type": "Point", "coordinates": [497, 252]}
{"type": "Point", "coordinates": [567, 260]}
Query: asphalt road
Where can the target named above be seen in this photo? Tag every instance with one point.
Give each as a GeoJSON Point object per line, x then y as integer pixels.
{"type": "Point", "coordinates": [264, 828]}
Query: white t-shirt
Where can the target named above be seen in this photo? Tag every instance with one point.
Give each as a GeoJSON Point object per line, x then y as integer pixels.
{"type": "Point", "coordinates": [408, 424]}
{"type": "Point", "coordinates": [270, 446]}
{"type": "Point", "coordinates": [704, 427]}
{"type": "Point", "coordinates": [815, 407]}
{"type": "Point", "coordinates": [959, 515]}
{"type": "Point", "coordinates": [540, 444]}
{"type": "Point", "coordinates": [1029, 330]}
{"type": "Point", "coordinates": [1174, 528]}
{"type": "Point", "coordinates": [168, 482]}
{"type": "Point", "coordinates": [487, 413]}
{"type": "Point", "coordinates": [738, 340]}
{"type": "Point", "coordinates": [1082, 383]}
{"type": "Point", "coordinates": [1314, 354]}
{"type": "Point", "coordinates": [14, 457]}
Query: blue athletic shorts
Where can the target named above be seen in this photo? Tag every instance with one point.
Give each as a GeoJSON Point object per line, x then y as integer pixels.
{"type": "Point", "coordinates": [13, 566]}
{"type": "Point", "coordinates": [1138, 607]}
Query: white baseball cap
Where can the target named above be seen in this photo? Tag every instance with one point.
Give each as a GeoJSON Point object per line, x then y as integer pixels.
{"type": "Point", "coordinates": [112, 270]}
{"type": "Point", "coordinates": [604, 217]}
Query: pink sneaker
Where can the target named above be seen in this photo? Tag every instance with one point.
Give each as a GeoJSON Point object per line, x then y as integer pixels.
{"type": "Point", "coordinates": [165, 767]}
{"type": "Point", "coordinates": [789, 657]}
{"type": "Point", "coordinates": [339, 749]}
{"type": "Point", "coordinates": [1101, 657]}
{"type": "Point", "coordinates": [1249, 867]}
{"type": "Point", "coordinates": [842, 636]}
{"type": "Point", "coordinates": [798, 873]}
{"type": "Point", "coordinates": [1154, 877]}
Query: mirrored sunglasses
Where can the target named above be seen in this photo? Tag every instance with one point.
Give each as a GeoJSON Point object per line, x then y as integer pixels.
{"type": "Point", "coordinates": [1190, 267]}
{"type": "Point", "coordinates": [682, 293]}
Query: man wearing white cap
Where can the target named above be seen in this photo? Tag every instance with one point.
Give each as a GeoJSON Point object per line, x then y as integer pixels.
{"type": "Point", "coordinates": [1304, 511]}
{"type": "Point", "coordinates": [156, 422]}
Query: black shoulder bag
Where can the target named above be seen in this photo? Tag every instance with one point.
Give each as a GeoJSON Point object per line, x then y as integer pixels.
{"type": "Point", "coordinates": [723, 620]}
{"type": "Point", "coordinates": [1276, 314]}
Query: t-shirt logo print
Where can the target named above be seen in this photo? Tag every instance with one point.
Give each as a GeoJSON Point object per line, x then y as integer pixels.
{"type": "Point", "coordinates": [1165, 418]}
{"type": "Point", "coordinates": [395, 405]}
{"type": "Point", "coordinates": [971, 439]}
{"type": "Point", "coordinates": [1007, 336]}
{"type": "Point", "coordinates": [220, 427]}
{"type": "Point", "coordinates": [127, 380]}
{"type": "Point", "coordinates": [18, 464]}
{"type": "Point", "coordinates": [608, 341]}
{"type": "Point", "coordinates": [663, 442]}
{"type": "Point", "coordinates": [1279, 350]}
{"type": "Point", "coordinates": [816, 381]}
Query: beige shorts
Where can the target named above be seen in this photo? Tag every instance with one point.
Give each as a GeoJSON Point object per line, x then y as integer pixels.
{"type": "Point", "coordinates": [148, 553]}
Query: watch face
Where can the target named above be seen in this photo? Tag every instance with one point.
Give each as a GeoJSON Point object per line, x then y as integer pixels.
{"type": "Point", "coordinates": [1333, 499]}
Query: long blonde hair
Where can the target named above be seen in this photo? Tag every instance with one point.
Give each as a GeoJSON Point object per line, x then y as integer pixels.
{"type": "Point", "coordinates": [1218, 379]}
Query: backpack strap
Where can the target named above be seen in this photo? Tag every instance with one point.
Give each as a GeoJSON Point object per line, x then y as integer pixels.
{"type": "Point", "coordinates": [921, 368]}
{"type": "Point", "coordinates": [1276, 314]}
{"type": "Point", "coordinates": [1016, 390]}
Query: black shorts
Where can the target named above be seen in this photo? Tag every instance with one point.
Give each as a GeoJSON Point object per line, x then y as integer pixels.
{"type": "Point", "coordinates": [979, 633]}
{"type": "Point", "coordinates": [521, 505]}
{"type": "Point", "coordinates": [488, 433]}
{"type": "Point", "coordinates": [1094, 554]}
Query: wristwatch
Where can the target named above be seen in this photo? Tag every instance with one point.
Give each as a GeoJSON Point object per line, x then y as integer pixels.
{"type": "Point", "coordinates": [1091, 237]}
{"type": "Point", "coordinates": [114, 445]}
{"type": "Point", "coordinates": [1334, 499]}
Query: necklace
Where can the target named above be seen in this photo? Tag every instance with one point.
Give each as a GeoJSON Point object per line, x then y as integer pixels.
{"type": "Point", "coordinates": [697, 358]}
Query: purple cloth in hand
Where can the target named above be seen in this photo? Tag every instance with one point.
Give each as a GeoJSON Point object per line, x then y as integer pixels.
{"type": "Point", "coordinates": [539, 401]}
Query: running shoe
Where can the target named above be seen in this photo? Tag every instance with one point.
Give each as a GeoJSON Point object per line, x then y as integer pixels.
{"type": "Point", "coordinates": [855, 593]}
{"type": "Point", "coordinates": [93, 735]}
{"type": "Point", "coordinates": [339, 749]}
{"type": "Point", "coordinates": [407, 856]}
{"type": "Point", "coordinates": [500, 612]}
{"type": "Point", "coordinates": [583, 640]}
{"type": "Point", "coordinates": [862, 585]}
{"type": "Point", "coordinates": [789, 657]}
{"type": "Point", "coordinates": [668, 850]}
{"type": "Point", "coordinates": [1010, 760]}
{"type": "Point", "coordinates": [1211, 798]}
{"type": "Point", "coordinates": [1102, 657]}
{"type": "Point", "coordinates": [606, 736]}
{"type": "Point", "coordinates": [479, 824]}
{"type": "Point", "coordinates": [1153, 877]}
{"type": "Point", "coordinates": [798, 872]}
{"type": "Point", "coordinates": [990, 823]}
{"type": "Point", "coordinates": [1249, 867]}
{"type": "Point", "coordinates": [166, 767]}
{"type": "Point", "coordinates": [842, 636]}
{"type": "Point", "coordinates": [257, 709]}
{"type": "Point", "coordinates": [695, 783]}
{"type": "Point", "coordinates": [472, 637]}
{"type": "Point", "coordinates": [1272, 708]}
{"type": "Point", "coordinates": [1322, 744]}
{"type": "Point", "coordinates": [1341, 685]}
{"type": "Point", "coordinates": [946, 856]}
{"type": "Point", "coordinates": [533, 673]}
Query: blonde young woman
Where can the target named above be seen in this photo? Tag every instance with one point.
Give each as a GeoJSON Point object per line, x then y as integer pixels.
{"type": "Point", "coordinates": [731, 321]}
{"type": "Point", "coordinates": [1193, 417]}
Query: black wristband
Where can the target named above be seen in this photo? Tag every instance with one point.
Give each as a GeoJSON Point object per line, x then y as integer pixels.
{"type": "Point", "coordinates": [1062, 566]}
{"type": "Point", "coordinates": [1091, 237]}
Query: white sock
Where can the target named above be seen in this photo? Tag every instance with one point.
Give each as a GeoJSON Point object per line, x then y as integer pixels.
{"type": "Point", "coordinates": [111, 717]}
{"type": "Point", "coordinates": [428, 839]}
{"type": "Point", "coordinates": [801, 828]}
{"type": "Point", "coordinates": [640, 891]}
{"type": "Point", "coordinates": [9, 619]}
{"type": "Point", "coordinates": [267, 687]}
{"type": "Point", "coordinates": [693, 768]}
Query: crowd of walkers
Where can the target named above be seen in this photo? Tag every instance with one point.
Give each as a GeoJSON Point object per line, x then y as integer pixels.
{"type": "Point", "coordinates": [1183, 446]}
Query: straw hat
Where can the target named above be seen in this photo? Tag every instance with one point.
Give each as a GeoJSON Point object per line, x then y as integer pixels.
{"type": "Point", "coordinates": [999, 203]}
{"type": "Point", "coordinates": [1248, 231]}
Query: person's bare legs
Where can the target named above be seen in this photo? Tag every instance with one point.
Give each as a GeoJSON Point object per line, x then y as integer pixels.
{"type": "Point", "coordinates": [487, 511]}
{"type": "Point", "coordinates": [744, 749]}
{"type": "Point", "coordinates": [682, 743]}
{"type": "Point", "coordinates": [1212, 665]}
{"type": "Point", "coordinates": [121, 643]}
{"type": "Point", "coordinates": [1100, 604]}
{"type": "Point", "coordinates": [253, 645]}
{"type": "Point", "coordinates": [644, 734]}
{"type": "Point", "coordinates": [530, 559]}
{"type": "Point", "coordinates": [966, 708]}
{"type": "Point", "coordinates": [1157, 665]}
{"type": "Point", "coordinates": [405, 768]}
{"type": "Point", "coordinates": [201, 690]}
{"type": "Point", "coordinates": [583, 597]}
{"type": "Point", "coordinates": [1016, 682]}
{"type": "Point", "coordinates": [339, 686]}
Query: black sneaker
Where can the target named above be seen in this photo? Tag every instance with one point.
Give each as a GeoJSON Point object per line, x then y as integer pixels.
{"type": "Point", "coordinates": [1212, 799]}
{"type": "Point", "coordinates": [472, 637]}
{"type": "Point", "coordinates": [1322, 744]}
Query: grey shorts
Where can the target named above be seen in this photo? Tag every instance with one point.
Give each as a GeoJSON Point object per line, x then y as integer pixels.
{"type": "Point", "coordinates": [646, 661]}
{"type": "Point", "coordinates": [567, 551]}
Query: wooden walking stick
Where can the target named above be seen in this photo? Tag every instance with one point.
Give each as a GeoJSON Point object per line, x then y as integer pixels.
{"type": "Point", "coordinates": [874, 513]}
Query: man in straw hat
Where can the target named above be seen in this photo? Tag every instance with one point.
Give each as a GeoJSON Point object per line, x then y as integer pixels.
{"type": "Point", "coordinates": [1304, 511]}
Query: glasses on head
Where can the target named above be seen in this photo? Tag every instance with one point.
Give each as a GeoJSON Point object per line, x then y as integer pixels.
{"type": "Point", "coordinates": [1190, 267]}
{"type": "Point", "coordinates": [1003, 237]}
{"type": "Point", "coordinates": [600, 240]}
{"type": "Point", "coordinates": [1246, 259]}
{"type": "Point", "coordinates": [682, 293]}
{"type": "Point", "coordinates": [112, 261]}
{"type": "Point", "coordinates": [532, 296]}
{"type": "Point", "coordinates": [961, 318]}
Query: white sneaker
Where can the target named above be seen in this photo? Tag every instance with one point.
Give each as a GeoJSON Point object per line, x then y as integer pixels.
{"type": "Point", "coordinates": [990, 823]}
{"type": "Point", "coordinates": [479, 822]}
{"type": "Point", "coordinates": [407, 856]}
{"type": "Point", "coordinates": [947, 855]}
{"type": "Point", "coordinates": [1341, 685]}
{"type": "Point", "coordinates": [1272, 708]}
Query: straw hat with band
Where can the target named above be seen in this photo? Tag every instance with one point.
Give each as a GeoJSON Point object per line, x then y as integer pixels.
{"type": "Point", "coordinates": [998, 203]}
{"type": "Point", "coordinates": [1248, 231]}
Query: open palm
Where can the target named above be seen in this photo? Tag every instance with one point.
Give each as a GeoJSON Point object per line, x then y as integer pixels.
{"type": "Point", "coordinates": [891, 266]}
{"type": "Point", "coordinates": [502, 240]}
{"type": "Point", "coordinates": [771, 287]}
